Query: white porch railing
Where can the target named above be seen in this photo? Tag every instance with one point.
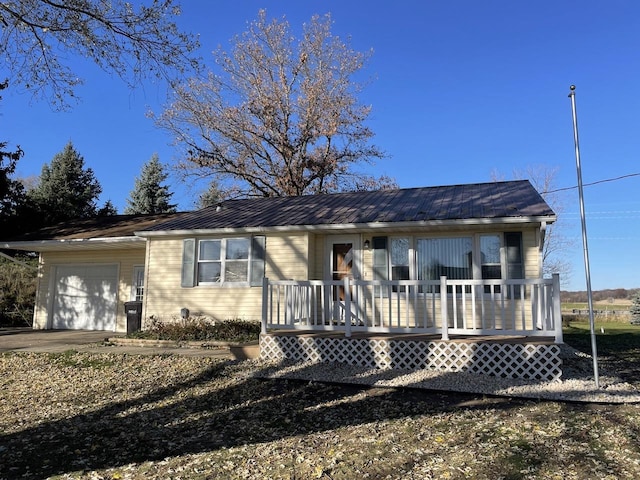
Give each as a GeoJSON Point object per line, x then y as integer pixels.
{"type": "Point", "coordinates": [523, 307]}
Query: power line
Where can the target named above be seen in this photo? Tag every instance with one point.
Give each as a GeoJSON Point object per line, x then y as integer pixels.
{"type": "Point", "coordinates": [615, 238]}
{"type": "Point", "coordinates": [608, 212]}
{"type": "Point", "coordinates": [608, 215]}
{"type": "Point", "coordinates": [594, 183]}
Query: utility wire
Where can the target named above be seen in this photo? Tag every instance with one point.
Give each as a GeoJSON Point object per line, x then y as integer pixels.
{"type": "Point", "coordinates": [594, 183]}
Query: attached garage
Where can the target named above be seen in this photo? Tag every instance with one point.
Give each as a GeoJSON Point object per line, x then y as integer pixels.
{"type": "Point", "coordinates": [87, 270]}
{"type": "Point", "coordinates": [85, 297]}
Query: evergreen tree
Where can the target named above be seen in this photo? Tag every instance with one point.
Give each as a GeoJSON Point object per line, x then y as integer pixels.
{"type": "Point", "coordinates": [12, 194]}
{"type": "Point", "coordinates": [108, 209]}
{"type": "Point", "coordinates": [635, 309]}
{"type": "Point", "coordinates": [210, 197]}
{"type": "Point", "coordinates": [149, 195]}
{"type": "Point", "coordinates": [66, 190]}
{"type": "Point", "coordinates": [13, 200]}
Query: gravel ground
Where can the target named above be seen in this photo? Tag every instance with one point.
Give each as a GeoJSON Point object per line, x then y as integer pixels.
{"type": "Point", "coordinates": [576, 384]}
{"type": "Point", "coordinates": [109, 416]}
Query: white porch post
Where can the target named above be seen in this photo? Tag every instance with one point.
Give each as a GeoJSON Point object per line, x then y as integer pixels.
{"type": "Point", "coordinates": [443, 308]}
{"type": "Point", "coordinates": [557, 310]}
{"type": "Point", "coordinates": [347, 308]}
{"type": "Point", "coordinates": [265, 305]}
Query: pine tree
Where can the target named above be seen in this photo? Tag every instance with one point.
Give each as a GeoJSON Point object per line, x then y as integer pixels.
{"type": "Point", "coordinates": [12, 193]}
{"type": "Point", "coordinates": [107, 209]}
{"type": "Point", "coordinates": [212, 196]}
{"type": "Point", "coordinates": [149, 195]}
{"type": "Point", "coordinates": [635, 309]}
{"type": "Point", "coordinates": [66, 189]}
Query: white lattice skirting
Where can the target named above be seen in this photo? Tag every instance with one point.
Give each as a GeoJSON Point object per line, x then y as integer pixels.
{"type": "Point", "coordinates": [508, 360]}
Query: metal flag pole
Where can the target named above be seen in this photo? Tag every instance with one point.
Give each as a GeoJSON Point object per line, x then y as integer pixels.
{"type": "Point", "coordinates": [594, 349]}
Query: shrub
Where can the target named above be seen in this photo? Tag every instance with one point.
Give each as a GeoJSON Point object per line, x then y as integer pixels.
{"type": "Point", "coordinates": [635, 309]}
{"type": "Point", "coordinates": [199, 329]}
{"type": "Point", "coordinates": [569, 318]}
{"type": "Point", "coordinates": [17, 292]}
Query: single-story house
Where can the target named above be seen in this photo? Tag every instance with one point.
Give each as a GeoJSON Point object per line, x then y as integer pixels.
{"type": "Point", "coordinates": [451, 261]}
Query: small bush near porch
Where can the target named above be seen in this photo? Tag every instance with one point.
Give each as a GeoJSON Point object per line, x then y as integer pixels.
{"type": "Point", "coordinates": [196, 329]}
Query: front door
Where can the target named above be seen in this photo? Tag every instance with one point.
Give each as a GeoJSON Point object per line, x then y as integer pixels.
{"type": "Point", "coordinates": [342, 265]}
{"type": "Point", "coordinates": [343, 261]}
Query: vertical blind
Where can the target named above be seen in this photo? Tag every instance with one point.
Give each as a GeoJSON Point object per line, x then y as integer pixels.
{"type": "Point", "coordinates": [451, 257]}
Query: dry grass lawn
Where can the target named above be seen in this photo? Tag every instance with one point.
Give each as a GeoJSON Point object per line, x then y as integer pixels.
{"type": "Point", "coordinates": [110, 416]}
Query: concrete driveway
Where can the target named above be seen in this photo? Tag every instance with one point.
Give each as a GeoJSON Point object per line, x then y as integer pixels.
{"type": "Point", "coordinates": [28, 340]}
{"type": "Point", "coordinates": [57, 341]}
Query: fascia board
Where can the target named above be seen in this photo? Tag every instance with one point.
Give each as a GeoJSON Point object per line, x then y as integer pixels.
{"type": "Point", "coordinates": [374, 226]}
{"type": "Point", "coordinates": [64, 244]}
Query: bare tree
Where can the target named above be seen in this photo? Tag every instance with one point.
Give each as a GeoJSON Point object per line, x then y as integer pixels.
{"type": "Point", "coordinates": [12, 192]}
{"type": "Point", "coordinates": [36, 37]}
{"type": "Point", "coordinates": [557, 243]}
{"type": "Point", "coordinates": [280, 117]}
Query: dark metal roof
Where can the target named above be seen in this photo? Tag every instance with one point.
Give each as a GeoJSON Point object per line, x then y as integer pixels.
{"type": "Point", "coordinates": [112, 226]}
{"type": "Point", "coordinates": [455, 202]}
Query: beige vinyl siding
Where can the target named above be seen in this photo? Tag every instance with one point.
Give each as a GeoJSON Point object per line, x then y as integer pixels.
{"type": "Point", "coordinates": [318, 256]}
{"type": "Point", "coordinates": [298, 256]}
{"type": "Point", "coordinates": [125, 258]}
{"type": "Point", "coordinates": [402, 311]}
{"type": "Point", "coordinates": [287, 257]}
{"type": "Point", "coordinates": [531, 253]}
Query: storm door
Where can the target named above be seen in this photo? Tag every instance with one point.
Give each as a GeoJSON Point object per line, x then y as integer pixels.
{"type": "Point", "coordinates": [343, 257]}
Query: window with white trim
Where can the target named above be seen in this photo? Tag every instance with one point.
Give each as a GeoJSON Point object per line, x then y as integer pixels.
{"type": "Point", "coordinates": [223, 261]}
{"type": "Point", "coordinates": [481, 256]}
{"type": "Point", "coordinates": [451, 257]}
{"type": "Point", "coordinates": [137, 284]}
{"type": "Point", "coordinates": [399, 261]}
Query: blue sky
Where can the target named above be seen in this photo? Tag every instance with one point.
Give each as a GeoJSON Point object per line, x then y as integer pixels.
{"type": "Point", "coordinates": [459, 89]}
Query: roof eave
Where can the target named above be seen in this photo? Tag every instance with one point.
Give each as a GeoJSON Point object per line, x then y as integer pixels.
{"type": "Point", "coordinates": [73, 243]}
{"type": "Point", "coordinates": [377, 226]}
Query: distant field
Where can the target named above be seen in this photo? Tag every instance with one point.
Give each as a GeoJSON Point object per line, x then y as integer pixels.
{"type": "Point", "coordinates": [604, 311]}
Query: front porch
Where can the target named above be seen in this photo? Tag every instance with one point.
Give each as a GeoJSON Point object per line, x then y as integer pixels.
{"type": "Point", "coordinates": [507, 328]}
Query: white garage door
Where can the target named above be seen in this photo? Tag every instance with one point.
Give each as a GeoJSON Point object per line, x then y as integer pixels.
{"type": "Point", "coordinates": [85, 297]}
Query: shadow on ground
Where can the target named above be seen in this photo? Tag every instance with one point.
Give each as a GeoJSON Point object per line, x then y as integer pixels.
{"type": "Point", "coordinates": [179, 419]}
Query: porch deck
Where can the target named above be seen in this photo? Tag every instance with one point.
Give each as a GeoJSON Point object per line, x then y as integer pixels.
{"type": "Point", "coordinates": [508, 328]}
{"type": "Point", "coordinates": [419, 337]}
